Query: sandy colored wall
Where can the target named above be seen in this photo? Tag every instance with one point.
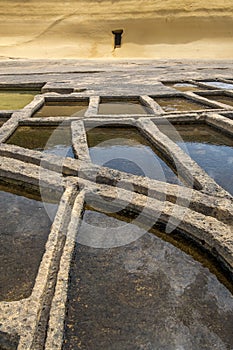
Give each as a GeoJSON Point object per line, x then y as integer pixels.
{"type": "Point", "coordinates": [82, 29]}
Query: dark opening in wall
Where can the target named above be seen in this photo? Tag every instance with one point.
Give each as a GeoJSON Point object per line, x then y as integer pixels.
{"type": "Point", "coordinates": [118, 36]}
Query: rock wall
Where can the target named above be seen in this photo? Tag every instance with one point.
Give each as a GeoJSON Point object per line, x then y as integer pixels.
{"type": "Point", "coordinates": [83, 29]}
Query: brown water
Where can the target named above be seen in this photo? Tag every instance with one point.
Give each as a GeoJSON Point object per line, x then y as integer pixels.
{"type": "Point", "coordinates": [126, 150]}
{"type": "Point", "coordinates": [15, 99]}
{"type": "Point", "coordinates": [62, 109]}
{"type": "Point", "coordinates": [24, 230]}
{"type": "Point", "coordinates": [173, 104]}
{"type": "Point", "coordinates": [221, 98]}
{"type": "Point", "coordinates": [211, 149]}
{"type": "Point", "coordinates": [55, 140]}
{"type": "Point", "coordinates": [118, 107]}
{"type": "Point", "coordinates": [147, 294]}
{"type": "Point", "coordinates": [184, 87]}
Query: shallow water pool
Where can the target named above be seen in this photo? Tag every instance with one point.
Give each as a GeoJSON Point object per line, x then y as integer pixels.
{"type": "Point", "coordinates": [55, 140]}
{"type": "Point", "coordinates": [221, 98]}
{"type": "Point", "coordinates": [220, 85]}
{"type": "Point", "coordinates": [24, 228]}
{"type": "Point", "coordinates": [147, 294]}
{"type": "Point", "coordinates": [211, 149]}
{"type": "Point", "coordinates": [126, 150]}
{"type": "Point", "coordinates": [62, 109]}
{"type": "Point", "coordinates": [10, 99]}
{"type": "Point", "coordinates": [132, 107]}
{"type": "Point", "coordinates": [174, 104]}
{"type": "Point", "coordinates": [184, 87]}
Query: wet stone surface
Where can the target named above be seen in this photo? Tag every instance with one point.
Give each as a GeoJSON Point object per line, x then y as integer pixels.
{"type": "Point", "coordinates": [173, 104]}
{"type": "Point", "coordinates": [147, 294]}
{"type": "Point", "coordinates": [24, 228]}
{"type": "Point", "coordinates": [55, 140]}
{"type": "Point", "coordinates": [62, 109]}
{"type": "Point", "coordinates": [126, 150]}
{"type": "Point", "coordinates": [211, 149]}
{"type": "Point", "coordinates": [10, 99]}
{"type": "Point", "coordinates": [132, 107]}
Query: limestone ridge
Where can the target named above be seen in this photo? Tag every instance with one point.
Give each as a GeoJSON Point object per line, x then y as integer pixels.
{"type": "Point", "coordinates": [83, 29]}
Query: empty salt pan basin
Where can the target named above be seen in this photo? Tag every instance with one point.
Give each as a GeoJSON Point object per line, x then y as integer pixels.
{"type": "Point", "coordinates": [221, 98]}
{"type": "Point", "coordinates": [15, 99]}
{"type": "Point", "coordinates": [174, 104]}
{"type": "Point", "coordinates": [126, 150]}
{"type": "Point", "coordinates": [184, 86]}
{"type": "Point", "coordinates": [211, 149]}
{"type": "Point", "coordinates": [123, 107]}
{"type": "Point", "coordinates": [24, 228]}
{"type": "Point", "coordinates": [219, 85]}
{"type": "Point", "coordinates": [147, 294]}
{"type": "Point", "coordinates": [62, 109]}
{"type": "Point", "coordinates": [55, 140]}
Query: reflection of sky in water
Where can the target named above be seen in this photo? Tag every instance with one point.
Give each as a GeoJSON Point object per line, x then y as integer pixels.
{"type": "Point", "coordinates": [99, 230]}
{"type": "Point", "coordinates": [147, 295]}
{"type": "Point", "coordinates": [211, 149]}
{"type": "Point", "coordinates": [133, 158]}
{"type": "Point", "coordinates": [60, 150]}
{"type": "Point", "coordinates": [220, 85]}
{"type": "Point", "coordinates": [45, 139]}
{"type": "Point", "coordinates": [60, 143]}
{"type": "Point", "coordinates": [185, 87]}
{"type": "Point", "coordinates": [216, 160]}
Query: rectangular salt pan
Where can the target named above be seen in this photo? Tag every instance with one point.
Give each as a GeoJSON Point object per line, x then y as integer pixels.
{"type": "Point", "coordinates": [54, 140]}
{"type": "Point", "coordinates": [24, 230]}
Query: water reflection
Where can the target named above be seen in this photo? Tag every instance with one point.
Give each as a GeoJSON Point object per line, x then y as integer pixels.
{"type": "Point", "coordinates": [54, 140]}
{"type": "Point", "coordinates": [24, 230]}
{"type": "Point", "coordinates": [126, 150]}
{"type": "Point", "coordinates": [211, 149]}
{"type": "Point", "coordinates": [145, 295]}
